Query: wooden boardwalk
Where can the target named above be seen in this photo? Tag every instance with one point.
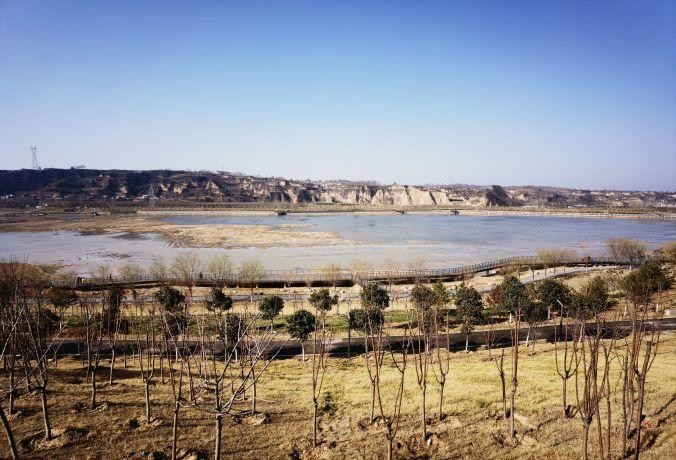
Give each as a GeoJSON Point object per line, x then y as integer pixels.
{"type": "Point", "coordinates": [328, 277]}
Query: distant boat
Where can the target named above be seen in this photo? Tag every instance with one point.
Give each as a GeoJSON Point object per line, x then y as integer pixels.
{"type": "Point", "coordinates": [282, 212]}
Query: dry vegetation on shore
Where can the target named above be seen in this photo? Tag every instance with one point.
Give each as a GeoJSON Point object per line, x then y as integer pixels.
{"type": "Point", "coordinates": [473, 427]}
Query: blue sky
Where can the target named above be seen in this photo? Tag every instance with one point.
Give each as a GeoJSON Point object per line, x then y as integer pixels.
{"type": "Point", "coordinates": [579, 94]}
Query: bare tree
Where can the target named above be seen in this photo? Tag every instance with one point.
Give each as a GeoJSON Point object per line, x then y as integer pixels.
{"type": "Point", "coordinates": [220, 269]}
{"type": "Point", "coordinates": [91, 313]}
{"type": "Point", "coordinates": [441, 365]}
{"type": "Point", "coordinates": [320, 338]}
{"type": "Point", "coordinates": [332, 273]}
{"type": "Point", "coordinates": [422, 317]}
{"type": "Point", "coordinates": [360, 269]}
{"type": "Point", "coordinates": [392, 420]}
{"type": "Point", "coordinates": [146, 335]}
{"type": "Point", "coordinates": [392, 267]}
{"type": "Point", "coordinates": [565, 367]}
{"type": "Point", "coordinates": [626, 250]}
{"type": "Point", "coordinates": [187, 267]}
{"type": "Point", "coordinates": [113, 323]}
{"type": "Point", "coordinates": [214, 374]}
{"type": "Point", "coordinates": [587, 391]}
{"type": "Point", "coordinates": [489, 340]}
{"type": "Point", "coordinates": [250, 273]}
{"type": "Point", "coordinates": [515, 333]}
{"type": "Point", "coordinates": [40, 334]}
{"type": "Point", "coordinates": [547, 258]}
{"type": "Point", "coordinates": [158, 270]}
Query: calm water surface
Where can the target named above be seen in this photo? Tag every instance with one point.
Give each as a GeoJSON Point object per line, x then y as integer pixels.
{"type": "Point", "coordinates": [439, 240]}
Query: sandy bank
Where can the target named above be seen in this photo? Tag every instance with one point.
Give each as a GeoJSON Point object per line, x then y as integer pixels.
{"type": "Point", "coordinates": [207, 235]}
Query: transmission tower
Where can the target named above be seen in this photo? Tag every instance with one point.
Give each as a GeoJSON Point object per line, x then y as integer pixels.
{"type": "Point", "coordinates": [151, 195]}
{"type": "Point", "coordinates": [34, 150]}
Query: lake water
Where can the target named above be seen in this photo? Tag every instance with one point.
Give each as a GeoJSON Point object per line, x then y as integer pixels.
{"type": "Point", "coordinates": [439, 240]}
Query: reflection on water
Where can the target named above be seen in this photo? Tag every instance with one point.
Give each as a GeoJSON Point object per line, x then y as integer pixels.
{"type": "Point", "coordinates": [441, 240]}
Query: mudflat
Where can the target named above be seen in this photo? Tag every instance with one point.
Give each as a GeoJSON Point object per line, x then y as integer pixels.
{"type": "Point", "coordinates": [206, 235]}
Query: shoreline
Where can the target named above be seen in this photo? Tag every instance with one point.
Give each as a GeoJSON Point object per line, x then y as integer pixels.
{"type": "Point", "coordinates": [445, 212]}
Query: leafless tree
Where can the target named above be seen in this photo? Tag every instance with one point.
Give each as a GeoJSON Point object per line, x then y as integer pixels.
{"type": "Point", "coordinates": [393, 419]}
{"type": "Point", "coordinates": [220, 268]}
{"type": "Point", "coordinates": [392, 266]}
{"type": "Point", "coordinates": [187, 267]}
{"type": "Point", "coordinates": [40, 334]}
{"type": "Point", "coordinates": [158, 270]}
{"type": "Point", "coordinates": [547, 258]}
{"type": "Point", "coordinates": [250, 274]}
{"type": "Point", "coordinates": [420, 319]}
{"type": "Point", "coordinates": [214, 368]}
{"type": "Point", "coordinates": [640, 350]}
{"type": "Point", "coordinates": [588, 393]}
{"type": "Point", "coordinates": [626, 250]}
{"type": "Point", "coordinates": [489, 339]}
{"type": "Point", "coordinates": [146, 342]}
{"type": "Point", "coordinates": [360, 269]}
{"type": "Point", "coordinates": [320, 339]}
{"type": "Point", "coordinates": [92, 316]}
{"type": "Point", "coordinates": [441, 362]}
{"type": "Point", "coordinates": [564, 367]}
{"type": "Point", "coordinates": [515, 333]}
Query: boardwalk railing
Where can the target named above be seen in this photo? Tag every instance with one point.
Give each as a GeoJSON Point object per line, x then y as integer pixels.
{"type": "Point", "coordinates": [327, 277]}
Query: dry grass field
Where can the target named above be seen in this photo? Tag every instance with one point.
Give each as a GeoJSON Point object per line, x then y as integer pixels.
{"type": "Point", "coordinates": [472, 428]}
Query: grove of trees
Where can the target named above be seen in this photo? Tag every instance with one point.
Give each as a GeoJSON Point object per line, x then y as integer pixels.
{"type": "Point", "coordinates": [213, 358]}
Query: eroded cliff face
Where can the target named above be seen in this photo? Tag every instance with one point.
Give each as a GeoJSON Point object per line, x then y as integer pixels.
{"type": "Point", "coordinates": [211, 187]}
{"type": "Point", "coordinates": [397, 195]}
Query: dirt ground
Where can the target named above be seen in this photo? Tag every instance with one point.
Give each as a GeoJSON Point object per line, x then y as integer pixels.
{"type": "Point", "coordinates": [472, 426]}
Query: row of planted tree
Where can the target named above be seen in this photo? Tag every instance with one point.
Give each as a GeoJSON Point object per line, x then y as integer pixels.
{"type": "Point", "coordinates": [214, 362]}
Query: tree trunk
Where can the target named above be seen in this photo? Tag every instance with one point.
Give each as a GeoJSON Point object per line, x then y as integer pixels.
{"type": "Point", "coordinates": [512, 427]}
{"type": "Point", "coordinates": [10, 435]}
{"type": "Point", "coordinates": [219, 430]}
{"type": "Point", "coordinates": [112, 366]}
{"type": "Point", "coordinates": [641, 387]}
{"type": "Point", "coordinates": [92, 403]}
{"type": "Point", "coordinates": [162, 368]}
{"type": "Point", "coordinates": [174, 432]}
{"type": "Point", "coordinates": [253, 399]}
{"type": "Point", "coordinates": [11, 393]}
{"type": "Point", "coordinates": [302, 347]}
{"type": "Point", "coordinates": [504, 395]}
{"type": "Point", "coordinates": [147, 401]}
{"type": "Point", "coordinates": [424, 415]}
{"type": "Point", "coordinates": [373, 401]}
{"type": "Point", "coordinates": [564, 396]}
{"type": "Point", "coordinates": [466, 343]}
{"type": "Point", "coordinates": [585, 441]}
{"type": "Point", "coordinates": [314, 425]}
{"type": "Point", "coordinates": [390, 441]}
{"type": "Point", "coordinates": [441, 399]}
{"type": "Point", "coordinates": [45, 413]}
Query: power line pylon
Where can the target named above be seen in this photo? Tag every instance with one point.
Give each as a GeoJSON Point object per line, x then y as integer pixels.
{"type": "Point", "coordinates": [34, 151]}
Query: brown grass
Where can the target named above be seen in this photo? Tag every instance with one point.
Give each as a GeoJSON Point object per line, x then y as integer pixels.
{"type": "Point", "coordinates": [473, 427]}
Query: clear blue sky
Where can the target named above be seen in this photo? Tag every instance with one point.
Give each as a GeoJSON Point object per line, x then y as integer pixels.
{"type": "Point", "coordinates": [567, 93]}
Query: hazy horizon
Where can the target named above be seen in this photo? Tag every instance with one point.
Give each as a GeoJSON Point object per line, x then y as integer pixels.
{"type": "Point", "coordinates": [574, 94]}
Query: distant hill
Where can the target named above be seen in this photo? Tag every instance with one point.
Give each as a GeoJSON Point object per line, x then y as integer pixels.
{"type": "Point", "coordinates": [84, 185]}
